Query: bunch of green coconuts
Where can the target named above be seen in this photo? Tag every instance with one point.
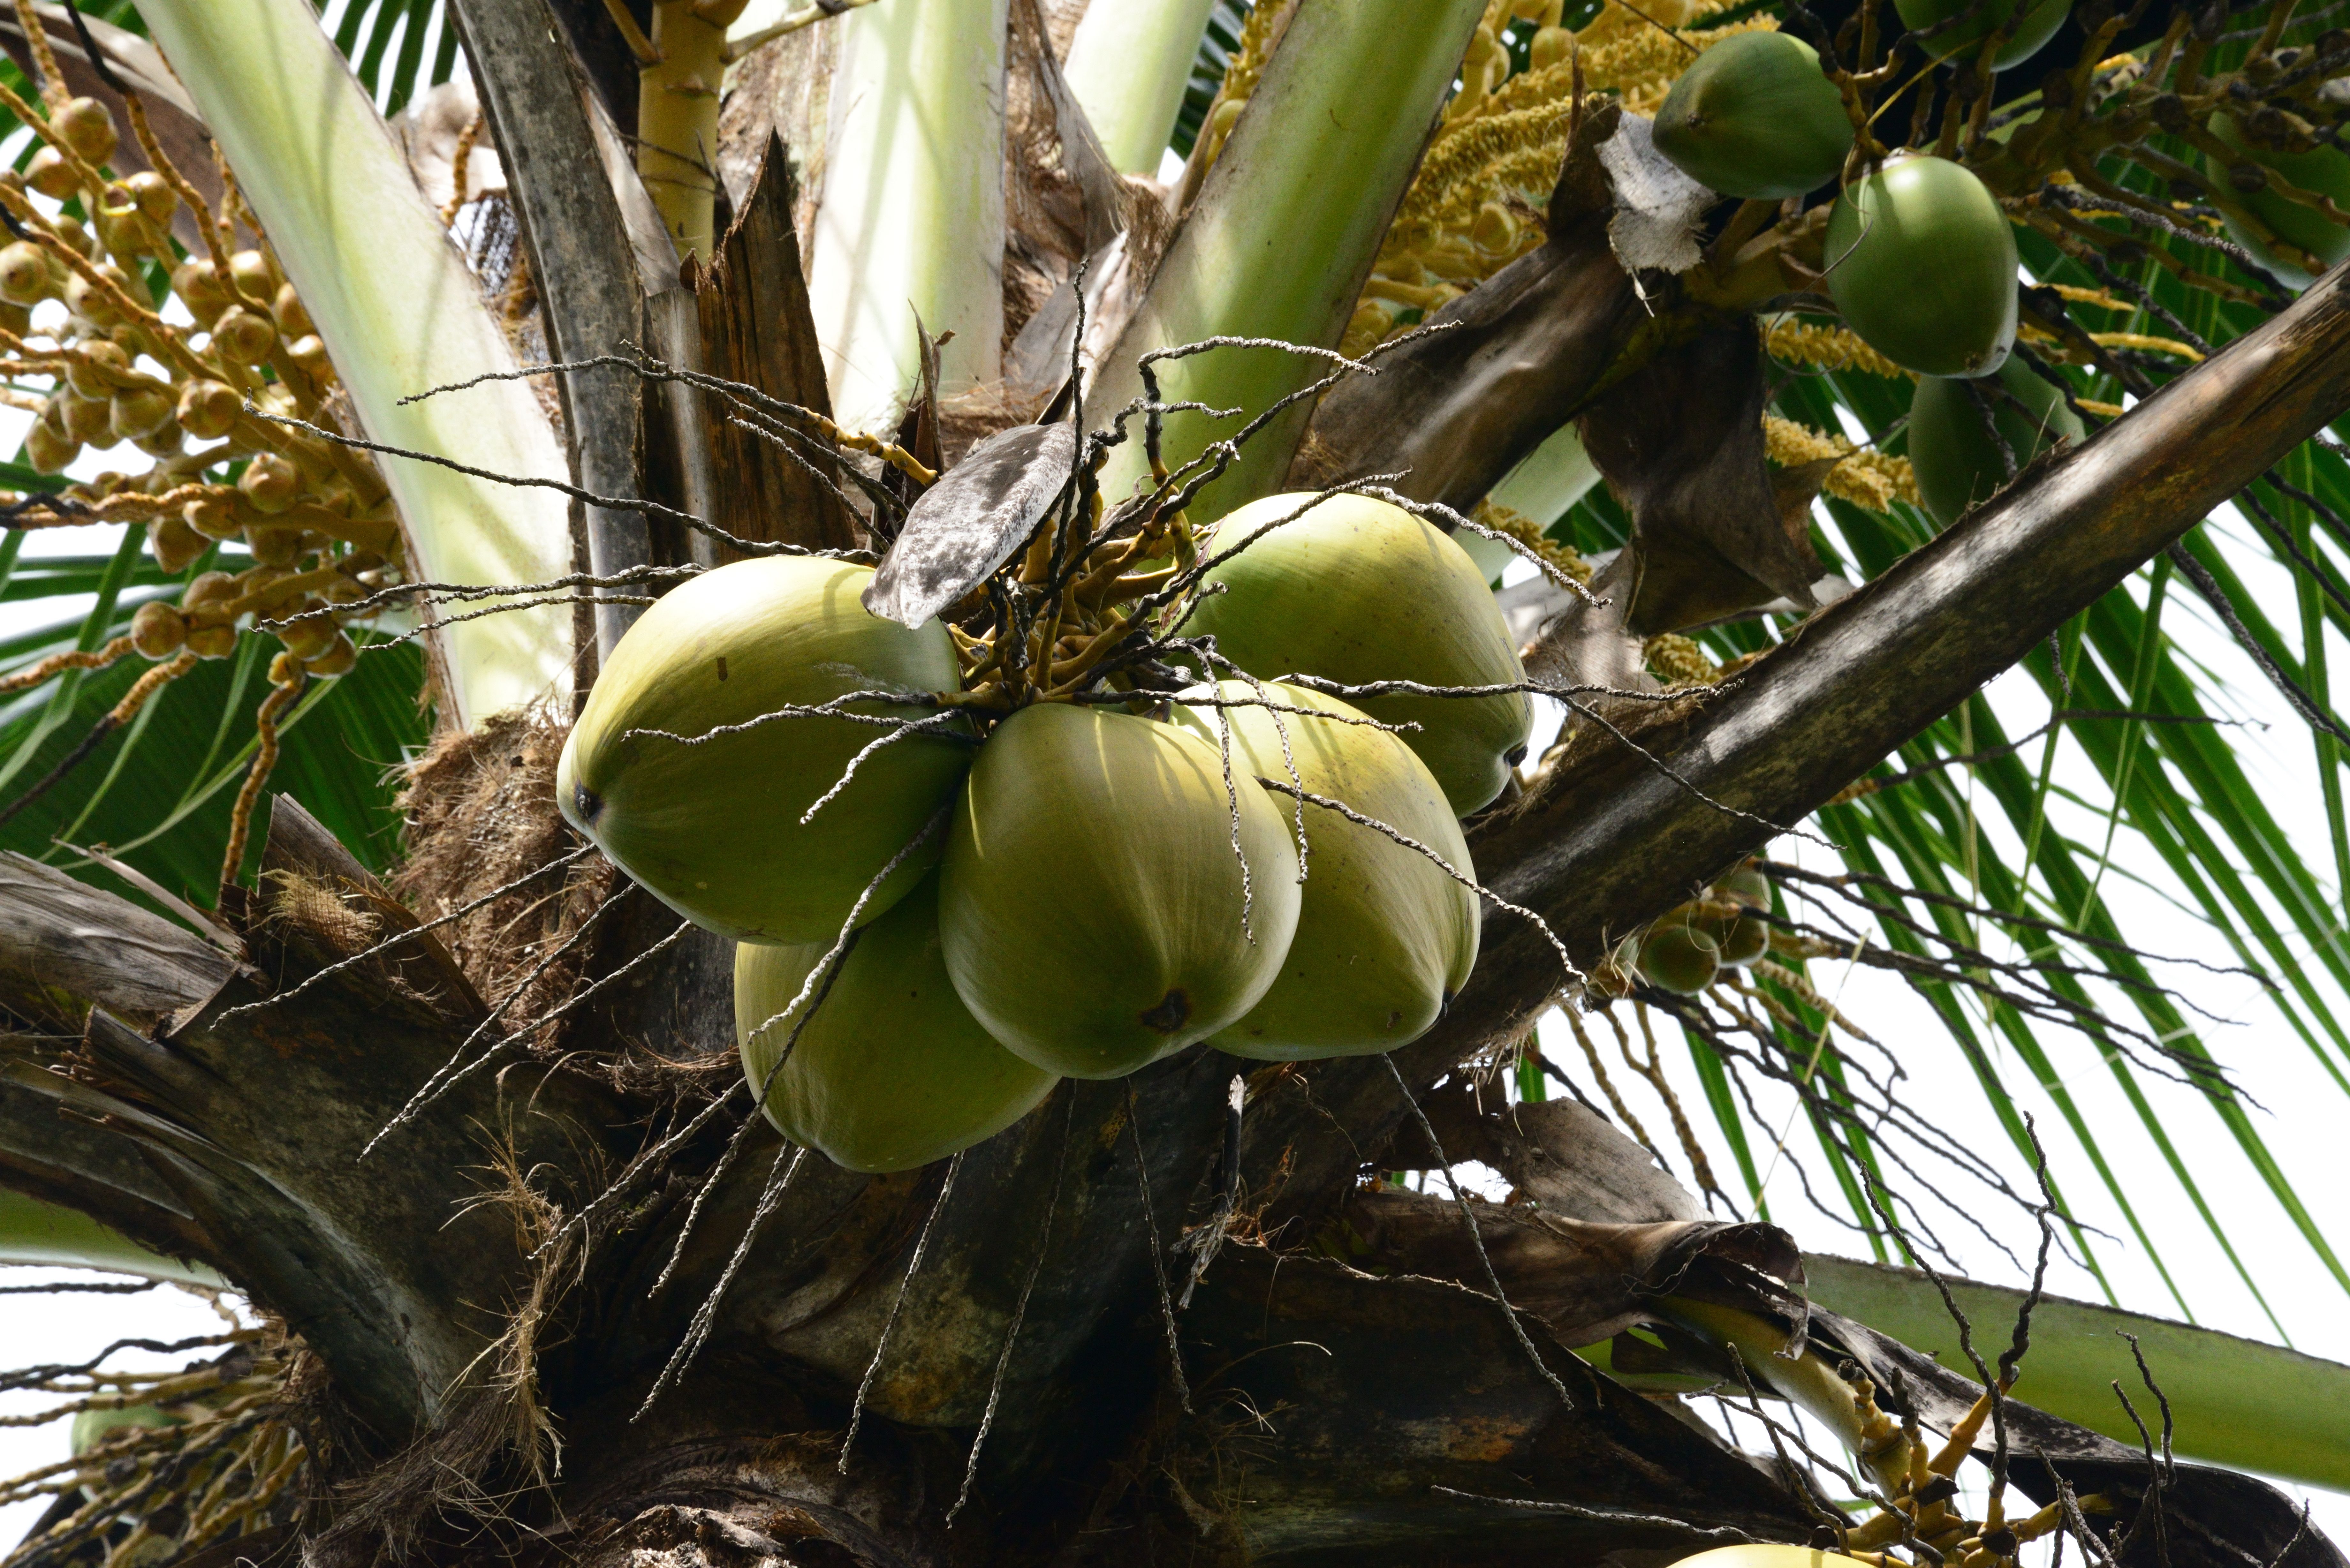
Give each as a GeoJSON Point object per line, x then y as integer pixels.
{"type": "Point", "coordinates": [1919, 256]}
{"type": "Point", "coordinates": [1689, 946]}
{"type": "Point", "coordinates": [1075, 886]}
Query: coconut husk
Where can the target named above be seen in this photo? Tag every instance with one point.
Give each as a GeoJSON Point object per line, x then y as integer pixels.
{"type": "Point", "coordinates": [481, 813]}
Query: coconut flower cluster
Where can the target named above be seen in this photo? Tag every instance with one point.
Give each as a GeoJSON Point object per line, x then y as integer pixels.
{"type": "Point", "coordinates": [1209, 789]}
{"type": "Point", "coordinates": [201, 399]}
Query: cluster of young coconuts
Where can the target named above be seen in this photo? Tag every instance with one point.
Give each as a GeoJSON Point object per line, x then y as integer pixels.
{"type": "Point", "coordinates": [1920, 258]}
{"type": "Point", "coordinates": [1080, 887]}
{"type": "Point", "coordinates": [1689, 945]}
{"type": "Point", "coordinates": [317, 520]}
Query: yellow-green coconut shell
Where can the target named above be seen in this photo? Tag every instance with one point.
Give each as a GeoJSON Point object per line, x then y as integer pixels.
{"type": "Point", "coordinates": [90, 1428]}
{"type": "Point", "coordinates": [1753, 117]}
{"type": "Point", "coordinates": [2026, 36]}
{"type": "Point", "coordinates": [713, 829]}
{"type": "Point", "coordinates": [1357, 590]}
{"type": "Point", "coordinates": [1385, 938]}
{"type": "Point", "coordinates": [1769, 1554]}
{"type": "Point", "coordinates": [2321, 171]}
{"type": "Point", "coordinates": [1921, 263]}
{"type": "Point", "coordinates": [1090, 903]}
{"type": "Point", "coordinates": [892, 1071]}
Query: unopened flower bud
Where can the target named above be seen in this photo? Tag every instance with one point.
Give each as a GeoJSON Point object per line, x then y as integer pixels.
{"type": "Point", "coordinates": [210, 587]}
{"type": "Point", "coordinates": [256, 279]}
{"type": "Point", "coordinates": [24, 272]}
{"type": "Point", "coordinates": [157, 629]}
{"type": "Point", "coordinates": [270, 482]}
{"type": "Point", "coordinates": [274, 546]}
{"type": "Point", "coordinates": [1550, 45]}
{"type": "Point", "coordinates": [341, 655]}
{"type": "Point", "coordinates": [154, 195]}
{"type": "Point", "coordinates": [95, 304]}
{"type": "Point", "coordinates": [310, 353]}
{"type": "Point", "coordinates": [125, 232]}
{"type": "Point", "coordinates": [244, 337]}
{"type": "Point", "coordinates": [199, 289]}
{"type": "Point", "coordinates": [309, 639]}
{"type": "Point", "coordinates": [98, 365]}
{"type": "Point", "coordinates": [88, 127]}
{"type": "Point", "coordinates": [212, 641]}
{"type": "Point", "coordinates": [49, 449]}
{"type": "Point", "coordinates": [213, 515]}
{"type": "Point", "coordinates": [165, 440]}
{"type": "Point", "coordinates": [48, 173]}
{"type": "Point", "coordinates": [138, 412]}
{"type": "Point", "coordinates": [69, 229]}
{"type": "Point", "coordinates": [175, 547]}
{"type": "Point", "coordinates": [208, 409]}
{"type": "Point", "coordinates": [292, 319]}
{"type": "Point", "coordinates": [90, 419]}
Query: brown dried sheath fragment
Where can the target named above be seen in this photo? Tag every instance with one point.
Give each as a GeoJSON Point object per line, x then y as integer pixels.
{"type": "Point", "coordinates": [1680, 443]}
{"type": "Point", "coordinates": [757, 328]}
{"type": "Point", "coordinates": [1460, 409]}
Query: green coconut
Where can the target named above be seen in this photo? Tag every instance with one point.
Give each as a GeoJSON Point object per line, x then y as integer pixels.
{"type": "Point", "coordinates": [713, 829]}
{"type": "Point", "coordinates": [1358, 590]}
{"type": "Point", "coordinates": [1385, 938]}
{"type": "Point", "coordinates": [1753, 117]}
{"type": "Point", "coordinates": [1921, 263]}
{"type": "Point", "coordinates": [1090, 904]}
{"type": "Point", "coordinates": [891, 1071]}
{"type": "Point", "coordinates": [1746, 886]}
{"type": "Point", "coordinates": [1744, 943]}
{"type": "Point", "coordinates": [1956, 462]}
{"type": "Point", "coordinates": [90, 1426]}
{"type": "Point", "coordinates": [2025, 37]}
{"type": "Point", "coordinates": [2321, 171]}
{"type": "Point", "coordinates": [1677, 956]}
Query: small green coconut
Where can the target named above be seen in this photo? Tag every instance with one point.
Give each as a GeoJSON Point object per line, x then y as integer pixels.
{"type": "Point", "coordinates": [90, 1428]}
{"type": "Point", "coordinates": [1744, 943]}
{"type": "Point", "coordinates": [1746, 886]}
{"type": "Point", "coordinates": [1677, 956]}
{"type": "Point", "coordinates": [2321, 171]}
{"type": "Point", "coordinates": [2025, 37]}
{"type": "Point", "coordinates": [1956, 461]}
{"type": "Point", "coordinates": [1745, 940]}
{"type": "Point", "coordinates": [1358, 590]}
{"type": "Point", "coordinates": [1385, 938]}
{"type": "Point", "coordinates": [1091, 906]}
{"type": "Point", "coordinates": [713, 828]}
{"type": "Point", "coordinates": [1753, 117]}
{"type": "Point", "coordinates": [892, 1071]}
{"type": "Point", "coordinates": [1921, 263]}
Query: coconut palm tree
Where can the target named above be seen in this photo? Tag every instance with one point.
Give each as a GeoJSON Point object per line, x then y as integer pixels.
{"type": "Point", "coordinates": [437, 411]}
